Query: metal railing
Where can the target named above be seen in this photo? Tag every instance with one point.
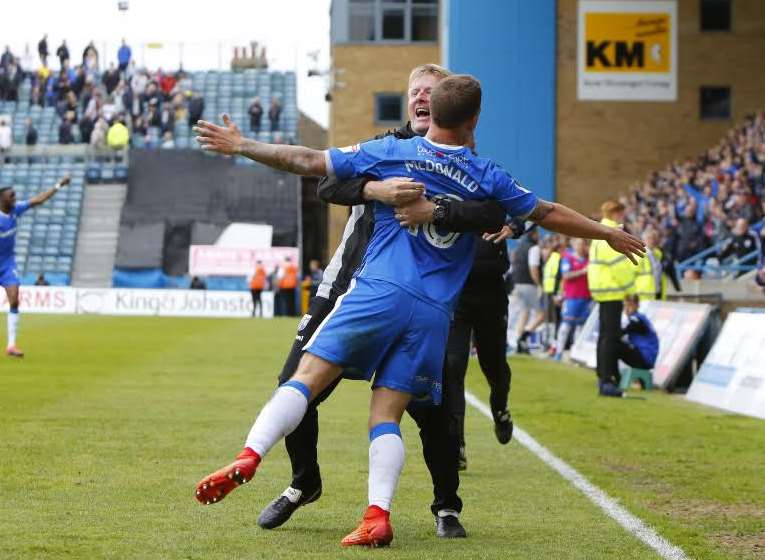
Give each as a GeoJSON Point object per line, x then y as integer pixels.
{"type": "Point", "coordinates": [703, 263]}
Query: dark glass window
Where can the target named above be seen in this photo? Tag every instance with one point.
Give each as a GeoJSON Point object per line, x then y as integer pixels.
{"type": "Point", "coordinates": [715, 15]}
{"type": "Point", "coordinates": [362, 20]}
{"type": "Point", "coordinates": [715, 102]}
{"type": "Point", "coordinates": [393, 24]}
{"type": "Point", "coordinates": [425, 23]}
{"type": "Point", "coordinates": [389, 108]}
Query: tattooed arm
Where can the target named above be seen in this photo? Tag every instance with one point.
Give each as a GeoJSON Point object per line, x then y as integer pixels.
{"type": "Point", "coordinates": [228, 140]}
{"type": "Point", "coordinates": [561, 219]}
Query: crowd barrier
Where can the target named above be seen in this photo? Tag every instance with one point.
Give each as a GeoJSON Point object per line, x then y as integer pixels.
{"type": "Point", "coordinates": [679, 326]}
{"type": "Point", "coordinates": [732, 376]}
{"type": "Point", "coordinates": [138, 302]}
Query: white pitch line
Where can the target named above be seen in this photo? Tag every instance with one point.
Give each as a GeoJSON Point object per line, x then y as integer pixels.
{"type": "Point", "coordinates": [634, 525]}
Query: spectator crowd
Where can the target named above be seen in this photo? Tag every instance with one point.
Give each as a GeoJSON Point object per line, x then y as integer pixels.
{"type": "Point", "coordinates": [112, 104]}
{"type": "Point", "coordinates": [717, 199]}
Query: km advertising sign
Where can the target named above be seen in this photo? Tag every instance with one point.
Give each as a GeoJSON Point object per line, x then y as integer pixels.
{"type": "Point", "coordinates": [627, 50]}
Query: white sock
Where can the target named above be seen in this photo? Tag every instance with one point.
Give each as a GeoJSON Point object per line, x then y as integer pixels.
{"type": "Point", "coordinates": [13, 327]}
{"type": "Point", "coordinates": [386, 459]}
{"type": "Point", "coordinates": [563, 332]}
{"type": "Point", "coordinates": [279, 417]}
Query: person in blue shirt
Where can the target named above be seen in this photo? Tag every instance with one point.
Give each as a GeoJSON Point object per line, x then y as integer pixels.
{"type": "Point", "coordinates": [392, 323]}
{"type": "Point", "coordinates": [639, 346]}
{"type": "Point", "coordinates": [123, 56]}
{"type": "Point", "coordinates": [10, 210]}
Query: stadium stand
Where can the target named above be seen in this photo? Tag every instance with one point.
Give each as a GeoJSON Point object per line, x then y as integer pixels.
{"type": "Point", "coordinates": [47, 236]}
{"type": "Point", "coordinates": [695, 204]}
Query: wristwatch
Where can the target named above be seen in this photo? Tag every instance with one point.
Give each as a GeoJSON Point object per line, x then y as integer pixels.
{"type": "Point", "coordinates": [440, 211]}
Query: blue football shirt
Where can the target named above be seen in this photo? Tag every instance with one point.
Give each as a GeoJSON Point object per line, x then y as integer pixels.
{"type": "Point", "coordinates": [427, 262]}
{"type": "Point", "coordinates": [8, 233]}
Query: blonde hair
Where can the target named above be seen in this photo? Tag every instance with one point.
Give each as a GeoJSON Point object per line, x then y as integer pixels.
{"type": "Point", "coordinates": [611, 207]}
{"type": "Point", "coordinates": [429, 69]}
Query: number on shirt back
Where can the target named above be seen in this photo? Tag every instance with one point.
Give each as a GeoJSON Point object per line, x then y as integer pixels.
{"type": "Point", "coordinates": [432, 235]}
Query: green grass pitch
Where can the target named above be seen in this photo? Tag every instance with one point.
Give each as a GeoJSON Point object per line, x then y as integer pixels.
{"type": "Point", "coordinates": [108, 423]}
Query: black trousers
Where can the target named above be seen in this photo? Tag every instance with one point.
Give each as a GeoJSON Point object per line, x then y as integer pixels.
{"type": "Point", "coordinates": [631, 356]}
{"type": "Point", "coordinates": [257, 303]}
{"type": "Point", "coordinates": [609, 338]}
{"type": "Point", "coordinates": [440, 444]}
{"type": "Point", "coordinates": [484, 317]}
{"type": "Point", "coordinates": [286, 302]}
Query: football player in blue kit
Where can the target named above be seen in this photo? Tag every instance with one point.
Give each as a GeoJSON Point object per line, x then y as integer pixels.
{"type": "Point", "coordinates": [392, 324]}
{"type": "Point", "coordinates": [10, 210]}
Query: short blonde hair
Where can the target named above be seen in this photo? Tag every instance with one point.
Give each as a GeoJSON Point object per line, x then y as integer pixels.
{"type": "Point", "coordinates": [611, 207]}
{"type": "Point", "coordinates": [429, 69]}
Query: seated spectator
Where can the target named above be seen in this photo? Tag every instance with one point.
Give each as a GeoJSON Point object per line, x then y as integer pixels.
{"type": "Point", "coordinates": [10, 79]}
{"type": "Point", "coordinates": [6, 134]}
{"type": "Point", "coordinates": [109, 108]}
{"type": "Point", "coordinates": [139, 126]}
{"type": "Point", "coordinates": [26, 62]}
{"type": "Point", "coordinates": [98, 136]}
{"type": "Point", "coordinates": [256, 115]}
{"type": "Point", "coordinates": [168, 143]}
{"type": "Point", "coordinates": [78, 84]}
{"type": "Point", "coordinates": [196, 107]}
{"type": "Point", "coordinates": [167, 118]}
{"type": "Point", "coordinates": [31, 136]}
{"type": "Point", "coordinates": [118, 136]}
{"type": "Point", "coordinates": [41, 280]}
{"type": "Point", "coordinates": [111, 78]}
{"type": "Point", "coordinates": [65, 133]}
{"type": "Point", "coordinates": [690, 236]}
{"type": "Point", "coordinates": [123, 56]}
{"type": "Point", "coordinates": [198, 284]}
{"type": "Point", "coordinates": [87, 124]}
{"type": "Point", "coordinates": [180, 111]}
{"type": "Point", "coordinates": [90, 58]}
{"type": "Point", "coordinates": [741, 243]}
{"type": "Point", "coordinates": [274, 114]}
{"type": "Point", "coordinates": [69, 103]}
{"type": "Point", "coordinates": [166, 83]}
{"type": "Point", "coordinates": [639, 346]}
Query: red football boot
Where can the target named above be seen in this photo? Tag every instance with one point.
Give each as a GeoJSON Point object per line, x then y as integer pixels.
{"type": "Point", "coordinates": [375, 529]}
{"type": "Point", "coordinates": [216, 486]}
{"type": "Point", "coordinates": [13, 352]}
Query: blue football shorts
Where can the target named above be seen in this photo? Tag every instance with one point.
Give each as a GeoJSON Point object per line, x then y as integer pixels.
{"type": "Point", "coordinates": [8, 276]}
{"type": "Point", "coordinates": [378, 329]}
{"type": "Point", "coordinates": [576, 310]}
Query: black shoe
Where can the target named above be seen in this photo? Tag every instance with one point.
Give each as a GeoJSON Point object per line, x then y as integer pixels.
{"type": "Point", "coordinates": [522, 346]}
{"type": "Point", "coordinates": [279, 511]}
{"type": "Point", "coordinates": [462, 461]}
{"type": "Point", "coordinates": [448, 526]}
{"type": "Point", "coordinates": [503, 427]}
{"type": "Point", "coordinates": [609, 390]}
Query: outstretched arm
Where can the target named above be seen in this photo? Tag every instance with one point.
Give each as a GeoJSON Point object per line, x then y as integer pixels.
{"type": "Point", "coordinates": [42, 197]}
{"type": "Point", "coordinates": [561, 219]}
{"type": "Point", "coordinates": [228, 140]}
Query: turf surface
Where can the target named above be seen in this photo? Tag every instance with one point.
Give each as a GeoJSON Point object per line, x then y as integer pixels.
{"type": "Point", "coordinates": [108, 423]}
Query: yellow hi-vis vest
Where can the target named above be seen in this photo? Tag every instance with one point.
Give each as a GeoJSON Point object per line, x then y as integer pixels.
{"type": "Point", "coordinates": [610, 275]}
{"type": "Point", "coordinates": [645, 283]}
{"type": "Point", "coordinates": [550, 272]}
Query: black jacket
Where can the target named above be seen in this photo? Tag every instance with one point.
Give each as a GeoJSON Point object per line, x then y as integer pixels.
{"type": "Point", "coordinates": [462, 216]}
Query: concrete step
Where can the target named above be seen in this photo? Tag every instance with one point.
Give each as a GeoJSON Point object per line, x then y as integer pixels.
{"type": "Point", "coordinates": [98, 235]}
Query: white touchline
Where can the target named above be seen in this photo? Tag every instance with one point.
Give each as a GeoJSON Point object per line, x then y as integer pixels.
{"type": "Point", "coordinates": [634, 525]}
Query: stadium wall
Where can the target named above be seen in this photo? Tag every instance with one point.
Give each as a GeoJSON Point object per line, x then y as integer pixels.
{"type": "Point", "coordinates": [361, 71]}
{"type": "Point", "coordinates": [509, 46]}
{"type": "Point", "coordinates": [604, 146]}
